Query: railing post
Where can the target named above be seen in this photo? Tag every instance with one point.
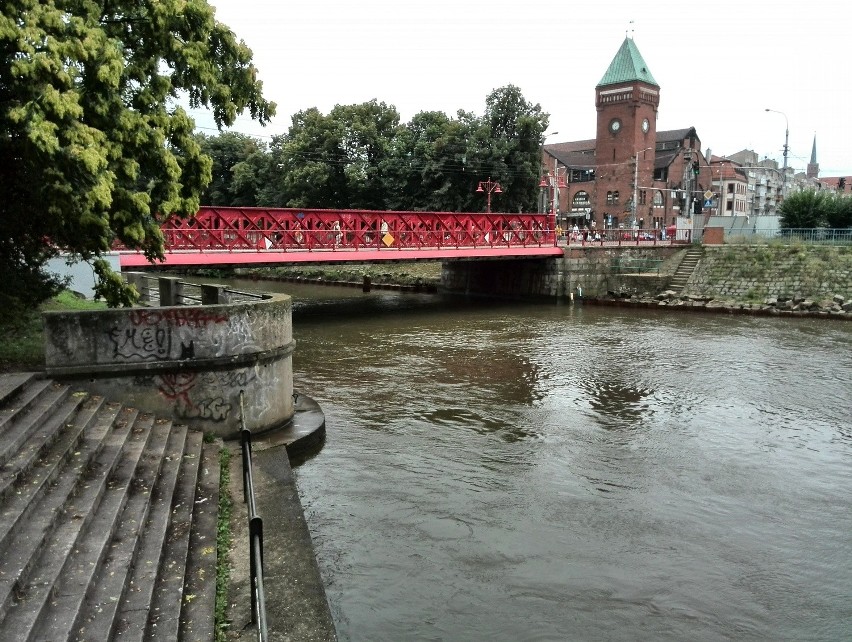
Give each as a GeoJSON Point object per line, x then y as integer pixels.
{"type": "Point", "coordinates": [137, 279]}
{"type": "Point", "coordinates": [170, 290]}
{"type": "Point", "coordinates": [213, 294]}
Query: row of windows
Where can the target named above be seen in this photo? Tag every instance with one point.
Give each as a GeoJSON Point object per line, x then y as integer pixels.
{"type": "Point", "coordinates": [581, 199]}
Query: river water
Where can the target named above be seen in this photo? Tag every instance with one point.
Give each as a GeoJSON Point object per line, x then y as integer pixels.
{"type": "Point", "coordinates": [514, 471]}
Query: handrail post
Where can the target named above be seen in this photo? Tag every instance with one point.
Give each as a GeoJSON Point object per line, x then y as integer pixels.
{"type": "Point", "coordinates": [255, 525]}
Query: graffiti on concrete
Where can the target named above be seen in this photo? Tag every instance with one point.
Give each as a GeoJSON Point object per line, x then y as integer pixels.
{"type": "Point", "coordinates": [203, 395]}
{"type": "Point", "coordinates": [177, 317]}
{"type": "Point", "coordinates": [239, 339]}
{"type": "Point", "coordinates": [141, 343]}
{"type": "Point", "coordinates": [151, 334]}
{"type": "Point", "coordinates": [191, 400]}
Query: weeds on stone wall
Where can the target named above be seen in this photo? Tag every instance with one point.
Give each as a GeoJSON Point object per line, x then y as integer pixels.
{"type": "Point", "coordinates": [756, 271]}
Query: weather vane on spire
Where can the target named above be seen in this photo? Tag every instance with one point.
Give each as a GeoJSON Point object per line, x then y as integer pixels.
{"type": "Point", "coordinates": [630, 29]}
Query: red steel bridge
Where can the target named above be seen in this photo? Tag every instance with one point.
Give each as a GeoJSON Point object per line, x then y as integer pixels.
{"type": "Point", "coordinates": [240, 236]}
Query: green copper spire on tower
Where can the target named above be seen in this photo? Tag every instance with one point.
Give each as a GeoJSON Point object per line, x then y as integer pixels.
{"type": "Point", "coordinates": [627, 66]}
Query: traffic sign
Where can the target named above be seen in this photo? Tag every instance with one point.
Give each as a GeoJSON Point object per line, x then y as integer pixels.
{"type": "Point", "coordinates": [708, 203]}
{"type": "Point", "coordinates": [708, 195]}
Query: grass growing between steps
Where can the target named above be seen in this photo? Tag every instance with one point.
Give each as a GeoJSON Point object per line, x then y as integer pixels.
{"type": "Point", "coordinates": [223, 545]}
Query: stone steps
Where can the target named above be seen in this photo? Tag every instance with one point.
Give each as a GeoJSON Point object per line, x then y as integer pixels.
{"type": "Point", "coordinates": [109, 519]}
{"type": "Point", "coordinates": [685, 269]}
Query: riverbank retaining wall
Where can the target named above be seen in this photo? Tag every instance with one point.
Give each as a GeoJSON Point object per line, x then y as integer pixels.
{"type": "Point", "coordinates": [187, 362]}
{"type": "Point", "coordinates": [581, 271]}
{"type": "Point", "coordinates": [756, 272]}
{"type": "Point", "coordinates": [725, 272]}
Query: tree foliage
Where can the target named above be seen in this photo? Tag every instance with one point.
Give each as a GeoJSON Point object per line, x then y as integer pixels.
{"type": "Point", "coordinates": [839, 211]}
{"type": "Point", "coordinates": [96, 148]}
{"type": "Point", "coordinates": [240, 164]}
{"type": "Point", "coordinates": [812, 208]}
{"type": "Point", "coordinates": [426, 163]}
{"type": "Point", "coordinates": [335, 160]}
{"type": "Point", "coordinates": [360, 156]}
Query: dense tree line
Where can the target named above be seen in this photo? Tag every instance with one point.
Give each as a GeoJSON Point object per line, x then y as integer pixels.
{"type": "Point", "coordinates": [812, 208]}
{"type": "Point", "coordinates": [362, 157]}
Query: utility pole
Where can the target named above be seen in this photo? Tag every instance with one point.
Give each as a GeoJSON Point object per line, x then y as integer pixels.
{"type": "Point", "coordinates": [635, 186]}
{"type": "Point", "coordinates": [786, 149]}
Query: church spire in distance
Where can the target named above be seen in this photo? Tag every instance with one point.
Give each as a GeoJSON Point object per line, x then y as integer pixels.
{"type": "Point", "coordinates": [813, 166]}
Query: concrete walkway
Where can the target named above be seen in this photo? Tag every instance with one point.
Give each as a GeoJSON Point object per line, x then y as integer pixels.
{"type": "Point", "coordinates": [296, 604]}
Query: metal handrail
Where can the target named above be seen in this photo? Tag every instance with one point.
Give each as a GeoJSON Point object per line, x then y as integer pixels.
{"type": "Point", "coordinates": [258, 596]}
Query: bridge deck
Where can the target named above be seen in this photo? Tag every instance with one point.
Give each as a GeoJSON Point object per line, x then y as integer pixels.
{"type": "Point", "coordinates": [342, 255]}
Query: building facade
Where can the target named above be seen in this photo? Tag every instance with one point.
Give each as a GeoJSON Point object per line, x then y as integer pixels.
{"type": "Point", "coordinates": [630, 175]}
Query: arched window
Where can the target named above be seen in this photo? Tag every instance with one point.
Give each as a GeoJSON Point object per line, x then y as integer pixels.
{"type": "Point", "coordinates": [580, 200]}
{"type": "Point", "coordinates": [659, 200]}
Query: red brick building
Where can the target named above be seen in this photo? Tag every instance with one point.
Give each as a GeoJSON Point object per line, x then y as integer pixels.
{"type": "Point", "coordinates": [630, 172]}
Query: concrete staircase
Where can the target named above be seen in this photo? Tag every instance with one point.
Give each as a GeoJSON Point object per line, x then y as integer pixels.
{"type": "Point", "coordinates": [108, 526]}
{"type": "Point", "coordinates": [686, 268]}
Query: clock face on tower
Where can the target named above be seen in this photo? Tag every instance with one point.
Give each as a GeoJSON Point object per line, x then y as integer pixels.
{"type": "Point", "coordinates": [645, 125]}
{"type": "Point", "coordinates": [614, 125]}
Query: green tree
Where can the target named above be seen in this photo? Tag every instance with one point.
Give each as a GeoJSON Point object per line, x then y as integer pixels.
{"type": "Point", "coordinates": [239, 165]}
{"type": "Point", "coordinates": [335, 160]}
{"type": "Point", "coordinates": [312, 162]}
{"type": "Point", "coordinates": [273, 191]}
{"type": "Point", "coordinates": [839, 211]}
{"type": "Point", "coordinates": [425, 169]}
{"type": "Point", "coordinates": [804, 209]}
{"type": "Point", "coordinates": [96, 148]}
{"type": "Point", "coordinates": [507, 147]}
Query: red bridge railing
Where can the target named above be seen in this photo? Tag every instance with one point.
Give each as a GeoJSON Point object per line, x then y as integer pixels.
{"type": "Point", "coordinates": [234, 229]}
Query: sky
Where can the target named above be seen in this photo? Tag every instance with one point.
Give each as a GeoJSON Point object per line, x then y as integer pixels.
{"type": "Point", "coordinates": [719, 65]}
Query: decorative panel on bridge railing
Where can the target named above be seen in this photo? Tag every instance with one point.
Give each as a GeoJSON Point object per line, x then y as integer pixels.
{"type": "Point", "coordinates": [260, 229]}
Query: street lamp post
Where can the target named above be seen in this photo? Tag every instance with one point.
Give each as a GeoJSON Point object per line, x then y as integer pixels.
{"type": "Point", "coordinates": [555, 183]}
{"type": "Point", "coordinates": [786, 147]}
{"type": "Point", "coordinates": [488, 187]}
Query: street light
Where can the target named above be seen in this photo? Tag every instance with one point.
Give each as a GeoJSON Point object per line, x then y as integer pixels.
{"type": "Point", "coordinates": [488, 187]}
{"type": "Point", "coordinates": [556, 183]}
{"type": "Point", "coordinates": [786, 145]}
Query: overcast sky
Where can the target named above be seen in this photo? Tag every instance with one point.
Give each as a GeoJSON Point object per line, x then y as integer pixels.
{"type": "Point", "coordinates": [719, 64]}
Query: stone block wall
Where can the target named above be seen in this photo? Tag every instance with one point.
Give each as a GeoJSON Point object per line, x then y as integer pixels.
{"type": "Point", "coordinates": [758, 272]}
{"type": "Point", "coordinates": [583, 271]}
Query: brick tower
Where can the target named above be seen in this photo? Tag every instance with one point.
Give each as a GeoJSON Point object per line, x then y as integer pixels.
{"type": "Point", "coordinates": [626, 99]}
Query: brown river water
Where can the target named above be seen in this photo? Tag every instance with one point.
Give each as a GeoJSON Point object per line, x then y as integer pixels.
{"type": "Point", "coordinates": [511, 471]}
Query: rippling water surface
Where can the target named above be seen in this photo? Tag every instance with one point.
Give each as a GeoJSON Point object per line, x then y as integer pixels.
{"type": "Point", "coordinates": [498, 471]}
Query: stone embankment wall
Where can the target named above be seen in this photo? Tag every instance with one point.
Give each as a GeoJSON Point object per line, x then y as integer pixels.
{"type": "Point", "coordinates": [583, 271]}
{"type": "Point", "coordinates": [188, 362]}
{"type": "Point", "coordinates": [755, 273]}
{"type": "Point", "coordinates": [757, 278]}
